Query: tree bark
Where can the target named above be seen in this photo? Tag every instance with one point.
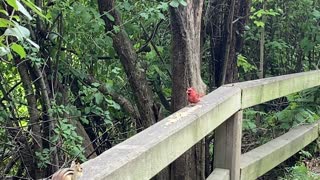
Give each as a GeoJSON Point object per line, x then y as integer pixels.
{"type": "Point", "coordinates": [186, 61]}
{"type": "Point", "coordinates": [229, 44]}
{"type": "Point", "coordinates": [29, 155]}
{"type": "Point", "coordinates": [262, 41]}
{"type": "Point", "coordinates": [128, 57]}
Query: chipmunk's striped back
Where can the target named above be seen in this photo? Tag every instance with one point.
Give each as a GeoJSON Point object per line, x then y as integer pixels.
{"type": "Point", "coordinates": [71, 173]}
{"type": "Point", "coordinates": [63, 174]}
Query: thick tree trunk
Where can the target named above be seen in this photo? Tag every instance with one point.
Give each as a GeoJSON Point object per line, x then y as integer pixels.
{"type": "Point", "coordinates": [186, 27]}
{"type": "Point", "coordinates": [128, 57]}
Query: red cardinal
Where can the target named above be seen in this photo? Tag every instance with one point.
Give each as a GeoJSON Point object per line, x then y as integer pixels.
{"type": "Point", "coordinates": [193, 96]}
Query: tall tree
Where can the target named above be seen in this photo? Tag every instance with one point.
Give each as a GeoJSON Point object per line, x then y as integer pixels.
{"type": "Point", "coordinates": [186, 61]}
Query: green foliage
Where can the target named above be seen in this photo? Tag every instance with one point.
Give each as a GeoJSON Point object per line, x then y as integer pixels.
{"type": "Point", "coordinates": [301, 109]}
{"type": "Point", "coordinates": [245, 65]}
{"type": "Point", "coordinates": [43, 158]}
{"type": "Point", "coordinates": [258, 14]}
{"type": "Point", "coordinates": [13, 28]}
{"type": "Point", "coordinates": [249, 117]}
{"type": "Point", "coordinates": [65, 133]}
{"type": "Point", "coordinates": [291, 35]}
{"type": "Point", "coordinates": [300, 172]}
{"type": "Point", "coordinates": [19, 50]}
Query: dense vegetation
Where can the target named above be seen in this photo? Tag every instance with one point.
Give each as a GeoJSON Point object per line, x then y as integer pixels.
{"type": "Point", "coordinates": [78, 76]}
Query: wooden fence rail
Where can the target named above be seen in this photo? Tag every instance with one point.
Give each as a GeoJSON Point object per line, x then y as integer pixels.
{"type": "Point", "coordinates": [148, 152]}
{"type": "Point", "coordinates": [262, 159]}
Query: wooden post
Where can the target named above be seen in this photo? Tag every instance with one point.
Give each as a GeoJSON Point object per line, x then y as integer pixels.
{"type": "Point", "coordinates": [227, 145]}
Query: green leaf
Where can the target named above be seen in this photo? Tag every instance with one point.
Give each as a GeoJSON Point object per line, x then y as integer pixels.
{"type": "Point", "coordinates": [183, 3]}
{"type": "Point", "coordinates": [87, 110]}
{"type": "Point", "coordinates": [161, 16]}
{"type": "Point", "coordinates": [95, 84]}
{"type": "Point", "coordinates": [107, 121]}
{"type": "Point", "coordinates": [5, 22]}
{"type": "Point", "coordinates": [259, 23]}
{"type": "Point", "coordinates": [19, 50]}
{"type": "Point", "coordinates": [13, 3]}
{"type": "Point", "coordinates": [144, 15]}
{"type": "Point", "coordinates": [116, 29]}
{"type": "Point", "coordinates": [98, 98]}
{"type": "Point", "coordinates": [110, 17]}
{"type": "Point", "coordinates": [4, 12]}
{"type": "Point", "coordinates": [163, 6]}
{"type": "Point", "coordinates": [113, 104]}
{"type": "Point", "coordinates": [174, 3]}
{"type": "Point", "coordinates": [33, 43]}
{"type": "Point", "coordinates": [35, 9]}
{"type": "Point", "coordinates": [55, 138]}
{"type": "Point", "coordinates": [127, 6]}
{"type": "Point", "coordinates": [316, 14]}
{"type": "Point", "coordinates": [18, 31]}
{"type": "Point", "coordinates": [84, 120]}
{"type": "Point", "coordinates": [23, 10]}
{"type": "Point", "coordinates": [4, 51]}
{"type": "Point", "coordinates": [23, 123]}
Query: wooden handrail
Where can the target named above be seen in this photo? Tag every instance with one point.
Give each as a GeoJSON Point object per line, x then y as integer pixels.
{"type": "Point", "coordinates": [147, 153]}
{"type": "Point", "coordinates": [262, 90]}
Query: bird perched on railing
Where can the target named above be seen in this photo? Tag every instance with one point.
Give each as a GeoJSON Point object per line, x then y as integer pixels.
{"type": "Point", "coordinates": [72, 173]}
{"type": "Point", "coordinates": [193, 95]}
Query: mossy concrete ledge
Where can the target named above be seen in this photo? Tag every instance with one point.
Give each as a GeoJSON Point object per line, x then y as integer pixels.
{"type": "Point", "coordinates": [148, 152]}
{"type": "Point", "coordinates": [262, 159]}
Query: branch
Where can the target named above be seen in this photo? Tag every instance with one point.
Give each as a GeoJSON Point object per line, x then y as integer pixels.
{"type": "Point", "coordinates": [149, 38]}
{"type": "Point", "coordinates": [6, 94]}
{"type": "Point", "coordinates": [155, 48]}
{"type": "Point", "coordinates": [10, 164]}
{"type": "Point", "coordinates": [239, 18]}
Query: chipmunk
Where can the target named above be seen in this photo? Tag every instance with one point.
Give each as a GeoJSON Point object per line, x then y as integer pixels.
{"type": "Point", "coordinates": [72, 173]}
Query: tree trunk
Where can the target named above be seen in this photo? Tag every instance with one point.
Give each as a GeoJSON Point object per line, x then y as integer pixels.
{"type": "Point", "coordinates": [262, 41]}
{"type": "Point", "coordinates": [29, 155]}
{"type": "Point", "coordinates": [128, 57]}
{"type": "Point", "coordinates": [229, 44]}
{"type": "Point", "coordinates": [186, 26]}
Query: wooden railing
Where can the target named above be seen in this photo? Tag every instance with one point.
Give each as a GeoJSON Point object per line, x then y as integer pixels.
{"type": "Point", "coordinates": [148, 152]}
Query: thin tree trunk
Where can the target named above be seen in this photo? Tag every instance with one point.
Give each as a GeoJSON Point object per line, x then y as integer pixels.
{"type": "Point", "coordinates": [29, 157]}
{"type": "Point", "coordinates": [128, 57]}
{"type": "Point", "coordinates": [46, 106]}
{"type": "Point", "coordinates": [229, 41]}
{"type": "Point", "coordinates": [262, 41]}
